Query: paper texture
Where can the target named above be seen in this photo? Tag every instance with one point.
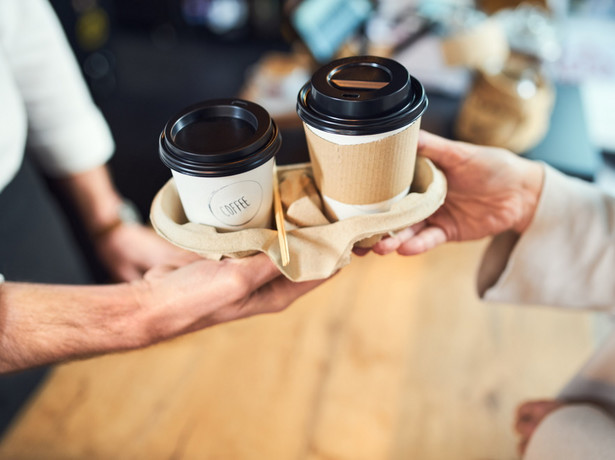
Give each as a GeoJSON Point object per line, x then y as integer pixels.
{"type": "Point", "coordinates": [364, 173]}
{"type": "Point", "coordinates": [317, 250]}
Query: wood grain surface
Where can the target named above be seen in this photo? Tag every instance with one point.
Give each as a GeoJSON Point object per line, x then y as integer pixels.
{"type": "Point", "coordinates": [394, 358]}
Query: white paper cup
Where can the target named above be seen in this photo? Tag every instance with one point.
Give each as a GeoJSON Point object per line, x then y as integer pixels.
{"type": "Point", "coordinates": [221, 154]}
{"type": "Point", "coordinates": [362, 117]}
{"type": "Point", "coordinates": [231, 202]}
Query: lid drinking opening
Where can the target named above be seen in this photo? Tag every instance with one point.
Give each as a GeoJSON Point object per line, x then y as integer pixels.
{"type": "Point", "coordinates": [360, 77]}
{"type": "Point", "coordinates": [361, 95]}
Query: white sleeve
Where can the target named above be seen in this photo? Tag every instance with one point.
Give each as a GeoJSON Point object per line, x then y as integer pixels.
{"type": "Point", "coordinates": [567, 255]}
{"type": "Point", "coordinates": [65, 128]}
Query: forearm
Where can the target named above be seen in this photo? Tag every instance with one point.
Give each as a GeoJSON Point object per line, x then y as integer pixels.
{"type": "Point", "coordinates": [94, 196]}
{"type": "Point", "coordinates": [42, 324]}
{"type": "Point", "coordinates": [566, 256]}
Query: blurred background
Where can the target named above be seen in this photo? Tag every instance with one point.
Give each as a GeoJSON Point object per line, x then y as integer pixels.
{"type": "Point", "coordinates": [533, 77]}
{"type": "Point", "coordinates": [381, 362]}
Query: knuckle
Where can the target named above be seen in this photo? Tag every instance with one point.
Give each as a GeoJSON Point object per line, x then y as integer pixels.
{"type": "Point", "coordinates": [239, 283]}
{"type": "Point", "coordinates": [277, 306]}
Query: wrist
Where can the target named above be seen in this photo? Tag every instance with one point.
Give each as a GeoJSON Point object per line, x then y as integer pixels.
{"type": "Point", "coordinates": [531, 188]}
{"type": "Point", "coordinates": [97, 201]}
{"type": "Point", "coordinates": [148, 327]}
{"type": "Point", "coordinates": [123, 213]}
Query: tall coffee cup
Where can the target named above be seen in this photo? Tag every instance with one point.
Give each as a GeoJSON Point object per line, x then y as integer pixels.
{"type": "Point", "coordinates": [361, 118]}
{"type": "Point", "coordinates": [221, 155]}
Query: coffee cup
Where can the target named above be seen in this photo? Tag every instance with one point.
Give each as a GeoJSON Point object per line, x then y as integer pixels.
{"type": "Point", "coordinates": [221, 155]}
{"type": "Point", "coordinates": [361, 117]}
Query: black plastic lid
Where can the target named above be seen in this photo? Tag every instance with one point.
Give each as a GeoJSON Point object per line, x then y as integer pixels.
{"type": "Point", "coordinates": [221, 137]}
{"type": "Point", "coordinates": [361, 95]}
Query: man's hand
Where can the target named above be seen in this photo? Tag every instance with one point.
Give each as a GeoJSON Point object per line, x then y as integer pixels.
{"type": "Point", "coordinates": [490, 190]}
{"type": "Point", "coordinates": [206, 292]}
{"type": "Point", "coordinates": [129, 250]}
{"type": "Point", "coordinates": [45, 324]}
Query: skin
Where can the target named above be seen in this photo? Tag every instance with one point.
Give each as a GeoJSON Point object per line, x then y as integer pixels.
{"type": "Point", "coordinates": [490, 191]}
{"type": "Point", "coordinates": [43, 324]}
{"type": "Point", "coordinates": [165, 291]}
{"type": "Point", "coordinates": [162, 291]}
{"type": "Point", "coordinates": [528, 417]}
{"type": "Point", "coordinates": [127, 251]}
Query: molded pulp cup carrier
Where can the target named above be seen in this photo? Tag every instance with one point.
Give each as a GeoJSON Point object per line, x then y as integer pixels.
{"type": "Point", "coordinates": [361, 117]}
{"type": "Point", "coordinates": [221, 154]}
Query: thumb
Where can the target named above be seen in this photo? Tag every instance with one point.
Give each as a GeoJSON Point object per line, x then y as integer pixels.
{"type": "Point", "coordinates": [443, 152]}
{"type": "Point", "coordinates": [258, 270]}
{"type": "Point", "coordinates": [159, 271]}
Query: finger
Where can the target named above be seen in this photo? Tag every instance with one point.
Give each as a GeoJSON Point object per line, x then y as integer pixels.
{"type": "Point", "coordinates": [278, 295]}
{"type": "Point", "coordinates": [425, 137]}
{"type": "Point", "coordinates": [360, 251]}
{"type": "Point", "coordinates": [425, 240]}
{"type": "Point", "coordinates": [530, 414]}
{"type": "Point", "coordinates": [127, 273]}
{"type": "Point", "coordinates": [256, 270]}
{"type": "Point", "coordinates": [183, 257]}
{"type": "Point", "coordinates": [179, 261]}
{"type": "Point", "coordinates": [273, 297]}
{"type": "Point", "coordinates": [167, 255]}
{"type": "Point", "coordinates": [523, 417]}
{"type": "Point", "coordinates": [522, 446]}
{"type": "Point", "coordinates": [392, 243]}
{"type": "Point", "coordinates": [158, 271]}
{"type": "Point", "coordinates": [525, 431]}
{"type": "Point", "coordinates": [441, 151]}
{"type": "Point", "coordinates": [525, 428]}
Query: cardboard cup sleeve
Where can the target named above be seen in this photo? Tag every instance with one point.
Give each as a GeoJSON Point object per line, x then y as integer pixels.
{"type": "Point", "coordinates": [364, 173]}
{"type": "Point", "coordinates": [318, 248]}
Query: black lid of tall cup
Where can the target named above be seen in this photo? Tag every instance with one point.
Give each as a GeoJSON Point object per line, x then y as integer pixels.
{"type": "Point", "coordinates": [361, 95]}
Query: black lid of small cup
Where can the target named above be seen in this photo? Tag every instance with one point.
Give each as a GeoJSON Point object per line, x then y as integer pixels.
{"type": "Point", "coordinates": [361, 95]}
{"type": "Point", "coordinates": [220, 137]}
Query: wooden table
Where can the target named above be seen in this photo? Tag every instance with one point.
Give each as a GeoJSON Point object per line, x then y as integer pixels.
{"type": "Point", "coordinates": [394, 358]}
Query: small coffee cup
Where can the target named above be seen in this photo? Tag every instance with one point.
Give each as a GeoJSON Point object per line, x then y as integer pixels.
{"type": "Point", "coordinates": [221, 155]}
{"type": "Point", "coordinates": [361, 118]}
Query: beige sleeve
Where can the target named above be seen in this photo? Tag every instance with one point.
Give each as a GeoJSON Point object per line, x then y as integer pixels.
{"type": "Point", "coordinates": [577, 432]}
{"type": "Point", "coordinates": [565, 258]}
